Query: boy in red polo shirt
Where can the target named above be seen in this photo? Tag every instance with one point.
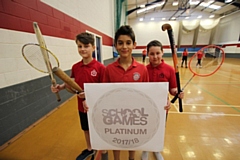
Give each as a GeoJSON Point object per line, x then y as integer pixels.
{"type": "Point", "coordinates": [159, 71]}
{"type": "Point", "coordinates": [184, 57]}
{"type": "Point", "coordinates": [199, 58]}
{"type": "Point", "coordinates": [125, 68]}
{"type": "Point", "coordinates": [144, 54]}
{"type": "Point", "coordinates": [88, 70]}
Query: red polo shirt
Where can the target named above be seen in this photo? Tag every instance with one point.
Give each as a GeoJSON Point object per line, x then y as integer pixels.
{"type": "Point", "coordinates": [135, 73]}
{"type": "Point", "coordinates": [199, 55]}
{"type": "Point", "coordinates": [162, 73]}
{"type": "Point", "coordinates": [144, 52]}
{"type": "Point", "coordinates": [90, 73]}
{"type": "Point", "coordinates": [185, 53]}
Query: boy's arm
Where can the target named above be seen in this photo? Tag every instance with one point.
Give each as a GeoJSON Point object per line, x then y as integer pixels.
{"type": "Point", "coordinates": [168, 106]}
{"type": "Point", "coordinates": [173, 86]}
{"type": "Point", "coordinates": [173, 91]}
{"type": "Point", "coordinates": [60, 87]}
{"type": "Point", "coordinates": [70, 90]}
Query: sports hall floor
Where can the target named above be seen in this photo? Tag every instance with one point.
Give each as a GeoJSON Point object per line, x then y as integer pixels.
{"type": "Point", "coordinates": [208, 129]}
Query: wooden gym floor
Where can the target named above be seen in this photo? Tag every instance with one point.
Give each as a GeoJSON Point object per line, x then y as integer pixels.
{"type": "Point", "coordinates": [208, 129]}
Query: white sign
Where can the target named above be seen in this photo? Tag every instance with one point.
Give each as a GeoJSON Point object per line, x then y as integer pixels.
{"type": "Point", "coordinates": [127, 116]}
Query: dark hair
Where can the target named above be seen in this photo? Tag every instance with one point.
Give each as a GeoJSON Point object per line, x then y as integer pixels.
{"type": "Point", "coordinates": [124, 30]}
{"type": "Point", "coordinates": [85, 38]}
{"type": "Point", "coordinates": [155, 43]}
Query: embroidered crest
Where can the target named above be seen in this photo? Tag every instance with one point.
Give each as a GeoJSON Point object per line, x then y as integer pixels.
{"type": "Point", "coordinates": [94, 73]}
{"type": "Point", "coordinates": [136, 76]}
{"type": "Point", "coordinates": [161, 75]}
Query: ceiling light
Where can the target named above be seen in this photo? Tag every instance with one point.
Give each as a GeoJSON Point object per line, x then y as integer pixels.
{"type": "Point", "coordinates": [152, 19]}
{"type": "Point", "coordinates": [211, 1]}
{"type": "Point", "coordinates": [213, 6]}
{"type": "Point", "coordinates": [142, 6]}
{"type": "Point", "coordinates": [186, 17]}
{"type": "Point", "coordinates": [163, 19]}
{"type": "Point", "coordinates": [206, 4]}
{"type": "Point", "coordinates": [209, 4]}
{"type": "Point", "coordinates": [194, 2]}
{"type": "Point", "coordinates": [140, 19]}
{"type": "Point", "coordinates": [175, 3]}
{"type": "Point", "coordinates": [199, 16]}
{"type": "Point", "coordinates": [141, 10]}
{"type": "Point", "coordinates": [228, 1]}
{"type": "Point", "coordinates": [211, 16]}
{"type": "Point", "coordinates": [173, 18]}
{"type": "Point", "coordinates": [150, 7]}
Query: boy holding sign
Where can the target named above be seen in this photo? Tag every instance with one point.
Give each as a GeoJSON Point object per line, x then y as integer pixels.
{"type": "Point", "coordinates": [125, 68]}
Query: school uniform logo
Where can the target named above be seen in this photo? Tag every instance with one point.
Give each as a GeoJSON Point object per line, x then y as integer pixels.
{"type": "Point", "coordinates": [136, 76]}
{"type": "Point", "coordinates": [161, 75]}
{"type": "Point", "coordinates": [94, 73]}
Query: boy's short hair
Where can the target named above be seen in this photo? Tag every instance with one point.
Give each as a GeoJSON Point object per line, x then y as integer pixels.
{"type": "Point", "coordinates": [85, 38]}
{"type": "Point", "coordinates": [155, 43]}
{"type": "Point", "coordinates": [125, 30]}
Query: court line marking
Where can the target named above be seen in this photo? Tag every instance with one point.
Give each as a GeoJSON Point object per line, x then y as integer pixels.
{"type": "Point", "coordinates": [201, 113]}
{"type": "Point", "coordinates": [236, 86]}
{"type": "Point", "coordinates": [234, 78]}
{"type": "Point", "coordinates": [176, 107]}
{"type": "Point", "coordinates": [214, 113]}
{"type": "Point", "coordinates": [197, 86]}
{"type": "Point", "coordinates": [211, 82]}
{"type": "Point", "coordinates": [217, 105]}
{"type": "Point", "coordinates": [221, 100]}
{"type": "Point", "coordinates": [220, 82]}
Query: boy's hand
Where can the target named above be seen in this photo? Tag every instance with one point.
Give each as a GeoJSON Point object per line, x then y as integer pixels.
{"type": "Point", "coordinates": [55, 88]}
{"type": "Point", "coordinates": [181, 95]}
{"type": "Point", "coordinates": [168, 106]}
{"type": "Point", "coordinates": [85, 107]}
{"type": "Point", "coordinates": [174, 92]}
{"type": "Point", "coordinates": [81, 95]}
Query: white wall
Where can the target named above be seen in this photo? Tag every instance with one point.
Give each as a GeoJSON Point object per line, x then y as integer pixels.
{"type": "Point", "coordinates": [187, 38]}
{"type": "Point", "coordinates": [148, 31]}
{"type": "Point", "coordinates": [13, 68]}
{"type": "Point", "coordinates": [228, 30]}
{"type": "Point", "coordinates": [203, 37]}
{"type": "Point", "coordinates": [98, 14]}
